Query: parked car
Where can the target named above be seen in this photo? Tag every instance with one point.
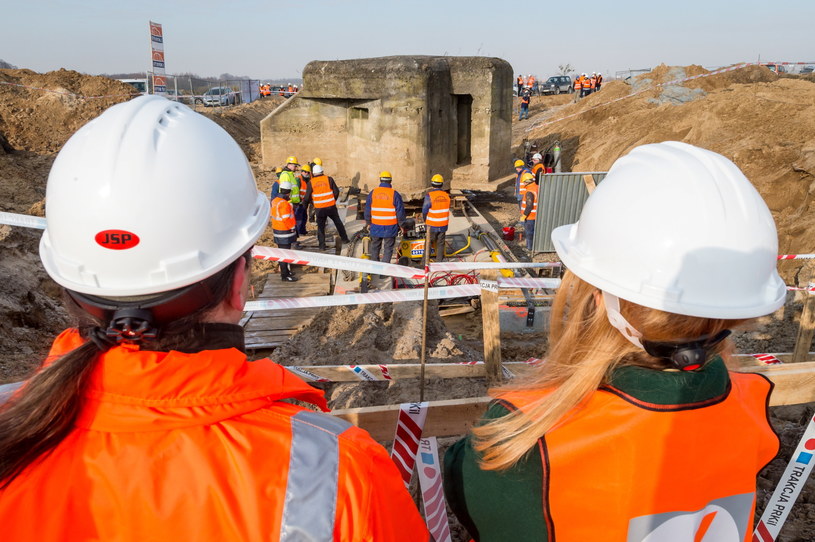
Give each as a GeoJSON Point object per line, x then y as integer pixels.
{"type": "Point", "coordinates": [139, 84]}
{"type": "Point", "coordinates": [807, 69]}
{"type": "Point", "coordinates": [557, 84]}
{"type": "Point", "coordinates": [220, 96]}
{"type": "Point", "coordinates": [777, 68]}
{"type": "Point", "coordinates": [179, 97]}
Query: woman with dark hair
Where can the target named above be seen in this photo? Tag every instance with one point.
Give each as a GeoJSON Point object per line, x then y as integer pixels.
{"type": "Point", "coordinates": [632, 428]}
{"type": "Point", "coordinates": [146, 421]}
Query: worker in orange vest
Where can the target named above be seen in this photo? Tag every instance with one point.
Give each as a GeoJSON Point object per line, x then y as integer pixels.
{"type": "Point", "coordinates": [526, 97]}
{"type": "Point", "coordinates": [147, 421]}
{"type": "Point", "coordinates": [538, 169]}
{"type": "Point", "coordinates": [520, 84]}
{"type": "Point", "coordinates": [586, 84]}
{"type": "Point", "coordinates": [530, 83]}
{"type": "Point", "coordinates": [592, 82]}
{"type": "Point", "coordinates": [577, 88]}
{"type": "Point", "coordinates": [529, 207]}
{"type": "Point", "coordinates": [436, 213]}
{"type": "Point", "coordinates": [628, 429]}
{"type": "Point", "coordinates": [599, 81]}
{"type": "Point", "coordinates": [384, 214]}
{"type": "Point", "coordinates": [284, 226]}
{"type": "Point", "coordinates": [322, 192]}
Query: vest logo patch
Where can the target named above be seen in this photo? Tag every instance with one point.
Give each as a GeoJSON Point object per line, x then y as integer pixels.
{"type": "Point", "coordinates": [721, 520]}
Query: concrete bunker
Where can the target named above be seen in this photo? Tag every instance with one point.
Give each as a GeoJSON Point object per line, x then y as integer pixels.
{"type": "Point", "coordinates": [412, 115]}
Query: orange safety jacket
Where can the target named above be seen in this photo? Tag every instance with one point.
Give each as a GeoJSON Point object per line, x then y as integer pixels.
{"type": "Point", "coordinates": [439, 213]}
{"type": "Point", "coordinates": [538, 170]}
{"type": "Point", "coordinates": [578, 83]}
{"type": "Point", "coordinates": [672, 472]}
{"type": "Point", "coordinates": [530, 82]}
{"type": "Point", "coordinates": [204, 446]}
{"type": "Point", "coordinates": [321, 193]}
{"type": "Point", "coordinates": [303, 183]}
{"type": "Point", "coordinates": [593, 82]}
{"type": "Point", "coordinates": [531, 190]}
{"type": "Point", "coordinates": [599, 79]}
{"type": "Point", "coordinates": [282, 214]}
{"type": "Point", "coordinates": [586, 83]}
{"type": "Point", "coordinates": [383, 211]}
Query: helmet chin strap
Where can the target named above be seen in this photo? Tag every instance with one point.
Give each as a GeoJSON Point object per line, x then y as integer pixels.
{"type": "Point", "coordinates": [616, 319]}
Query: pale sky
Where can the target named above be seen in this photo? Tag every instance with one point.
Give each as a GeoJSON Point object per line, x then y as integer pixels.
{"type": "Point", "coordinates": [274, 39]}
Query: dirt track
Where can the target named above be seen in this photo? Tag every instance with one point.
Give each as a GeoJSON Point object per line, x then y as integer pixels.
{"type": "Point", "coordinates": [765, 124]}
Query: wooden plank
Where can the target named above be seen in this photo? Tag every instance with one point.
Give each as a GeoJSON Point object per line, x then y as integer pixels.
{"type": "Point", "coordinates": [590, 184]}
{"type": "Point", "coordinates": [444, 418]}
{"type": "Point", "coordinates": [794, 384]}
{"type": "Point", "coordinates": [492, 329]}
{"type": "Point", "coordinates": [806, 329]}
{"type": "Point", "coordinates": [452, 311]}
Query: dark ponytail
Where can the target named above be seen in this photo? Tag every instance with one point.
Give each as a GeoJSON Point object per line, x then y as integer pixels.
{"type": "Point", "coordinates": [36, 419]}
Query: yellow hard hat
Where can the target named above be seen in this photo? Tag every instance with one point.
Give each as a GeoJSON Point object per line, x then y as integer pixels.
{"type": "Point", "coordinates": [306, 167]}
{"type": "Point", "coordinates": [318, 161]}
{"type": "Point", "coordinates": [292, 160]}
{"type": "Point", "coordinates": [385, 176]}
{"type": "Point", "coordinates": [437, 180]}
{"type": "Point", "coordinates": [527, 178]}
{"type": "Point", "coordinates": [519, 163]}
{"type": "Point", "coordinates": [278, 170]}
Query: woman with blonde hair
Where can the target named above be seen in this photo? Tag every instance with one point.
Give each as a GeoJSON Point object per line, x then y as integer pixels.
{"type": "Point", "coordinates": [632, 428]}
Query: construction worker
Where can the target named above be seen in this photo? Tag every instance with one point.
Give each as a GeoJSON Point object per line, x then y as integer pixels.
{"type": "Point", "coordinates": [278, 171]}
{"type": "Point", "coordinates": [585, 82]}
{"type": "Point", "coordinates": [538, 169]}
{"type": "Point", "coordinates": [384, 214]}
{"type": "Point", "coordinates": [520, 169]}
{"type": "Point", "coordinates": [436, 213]}
{"type": "Point", "coordinates": [529, 207]}
{"type": "Point", "coordinates": [289, 175]}
{"type": "Point", "coordinates": [147, 421]}
{"type": "Point", "coordinates": [284, 226]}
{"type": "Point", "coordinates": [301, 211]}
{"type": "Point", "coordinates": [531, 83]}
{"type": "Point", "coordinates": [592, 82]}
{"type": "Point", "coordinates": [577, 88]}
{"type": "Point", "coordinates": [519, 84]}
{"type": "Point", "coordinates": [526, 97]}
{"type": "Point", "coordinates": [311, 214]}
{"type": "Point", "coordinates": [322, 192]}
{"type": "Point", "coordinates": [599, 81]}
{"type": "Point", "coordinates": [633, 414]}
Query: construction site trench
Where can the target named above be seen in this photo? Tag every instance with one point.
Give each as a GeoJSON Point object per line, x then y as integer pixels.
{"type": "Point", "coordinates": [763, 122]}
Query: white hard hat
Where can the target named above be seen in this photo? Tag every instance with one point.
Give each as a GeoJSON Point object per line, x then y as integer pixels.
{"type": "Point", "coordinates": [285, 185]}
{"type": "Point", "coordinates": [317, 169]}
{"type": "Point", "coordinates": [680, 229]}
{"type": "Point", "coordinates": [148, 197]}
{"type": "Point", "coordinates": [537, 156]}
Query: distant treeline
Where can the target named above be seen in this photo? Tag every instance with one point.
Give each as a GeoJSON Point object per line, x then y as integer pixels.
{"type": "Point", "coordinates": [223, 77]}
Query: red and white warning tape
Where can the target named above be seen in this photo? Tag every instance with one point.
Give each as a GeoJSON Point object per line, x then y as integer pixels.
{"type": "Point", "coordinates": [464, 266]}
{"type": "Point", "coordinates": [435, 510]}
{"type": "Point", "coordinates": [788, 488]}
{"type": "Point", "coordinates": [406, 441]}
{"type": "Point", "coordinates": [796, 256]}
{"type": "Point", "coordinates": [332, 261]}
{"type": "Point", "coordinates": [767, 359]}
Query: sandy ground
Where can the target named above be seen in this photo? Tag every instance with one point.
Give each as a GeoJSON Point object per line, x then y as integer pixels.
{"type": "Point", "coordinates": [762, 122]}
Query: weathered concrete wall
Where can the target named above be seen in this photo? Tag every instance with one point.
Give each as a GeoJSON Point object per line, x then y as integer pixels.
{"type": "Point", "coordinates": [400, 114]}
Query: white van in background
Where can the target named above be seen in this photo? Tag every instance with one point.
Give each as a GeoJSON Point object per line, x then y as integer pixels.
{"type": "Point", "coordinates": [139, 84]}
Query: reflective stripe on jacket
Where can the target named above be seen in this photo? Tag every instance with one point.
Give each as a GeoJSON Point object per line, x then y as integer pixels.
{"type": "Point", "coordinates": [644, 471]}
{"type": "Point", "coordinates": [438, 215]}
{"type": "Point", "coordinates": [383, 210]}
{"type": "Point", "coordinates": [175, 446]}
{"type": "Point", "coordinates": [282, 215]}
{"type": "Point", "coordinates": [530, 194]}
{"type": "Point", "coordinates": [586, 83]}
{"type": "Point", "coordinates": [577, 84]}
{"type": "Point", "coordinates": [321, 192]}
{"type": "Point", "coordinates": [288, 175]}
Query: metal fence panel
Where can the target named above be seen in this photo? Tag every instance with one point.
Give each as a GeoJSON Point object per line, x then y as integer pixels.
{"type": "Point", "coordinates": [560, 200]}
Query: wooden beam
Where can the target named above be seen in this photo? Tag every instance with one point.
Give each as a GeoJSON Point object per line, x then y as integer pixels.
{"type": "Point", "coordinates": [806, 329]}
{"type": "Point", "coordinates": [492, 328]}
{"type": "Point", "coordinates": [589, 181]}
{"type": "Point", "coordinates": [794, 384]}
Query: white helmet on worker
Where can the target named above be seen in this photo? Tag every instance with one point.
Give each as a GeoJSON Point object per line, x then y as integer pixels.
{"type": "Point", "coordinates": [317, 169]}
{"type": "Point", "coordinates": [680, 229]}
{"type": "Point", "coordinates": [149, 197]}
{"type": "Point", "coordinates": [537, 156]}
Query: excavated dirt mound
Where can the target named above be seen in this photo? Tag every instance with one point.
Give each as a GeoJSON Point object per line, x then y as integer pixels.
{"type": "Point", "coordinates": [762, 122]}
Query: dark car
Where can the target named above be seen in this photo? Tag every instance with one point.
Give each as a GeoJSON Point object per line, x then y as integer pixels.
{"type": "Point", "coordinates": [557, 84]}
{"type": "Point", "coordinates": [807, 69]}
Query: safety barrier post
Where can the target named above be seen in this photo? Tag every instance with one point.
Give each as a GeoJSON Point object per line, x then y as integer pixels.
{"type": "Point", "coordinates": [806, 329]}
{"type": "Point", "coordinates": [491, 326]}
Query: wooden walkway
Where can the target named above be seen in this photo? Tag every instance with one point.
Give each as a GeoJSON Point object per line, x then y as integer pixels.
{"type": "Point", "coordinates": [267, 329]}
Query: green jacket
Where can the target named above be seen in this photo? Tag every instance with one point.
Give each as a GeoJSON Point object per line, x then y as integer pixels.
{"type": "Point", "coordinates": [287, 175]}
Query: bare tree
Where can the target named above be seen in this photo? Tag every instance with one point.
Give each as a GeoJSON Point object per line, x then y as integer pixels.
{"type": "Point", "coordinates": [565, 69]}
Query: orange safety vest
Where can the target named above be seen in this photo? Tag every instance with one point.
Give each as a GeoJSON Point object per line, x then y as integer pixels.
{"type": "Point", "coordinates": [538, 170]}
{"type": "Point", "coordinates": [663, 472]}
{"type": "Point", "coordinates": [577, 84]}
{"type": "Point", "coordinates": [520, 80]}
{"type": "Point", "coordinates": [531, 81]}
{"type": "Point", "coordinates": [586, 82]}
{"type": "Point", "coordinates": [383, 211]}
{"type": "Point", "coordinates": [282, 215]}
{"type": "Point", "coordinates": [439, 213]}
{"type": "Point", "coordinates": [531, 188]}
{"type": "Point", "coordinates": [303, 184]}
{"type": "Point", "coordinates": [321, 193]}
{"type": "Point", "coordinates": [599, 79]}
{"type": "Point", "coordinates": [593, 82]}
{"type": "Point", "coordinates": [202, 446]}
